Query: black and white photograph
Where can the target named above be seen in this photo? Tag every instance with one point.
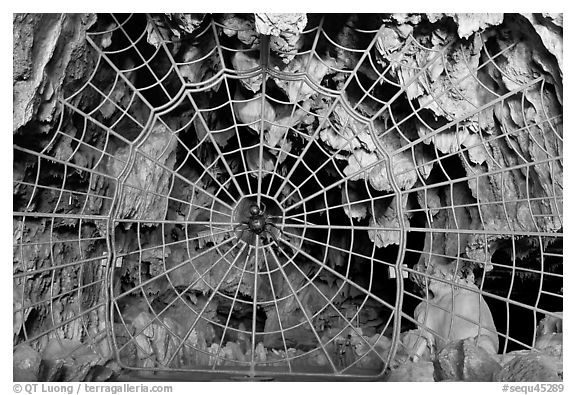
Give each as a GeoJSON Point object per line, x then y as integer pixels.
{"type": "Point", "coordinates": [287, 197]}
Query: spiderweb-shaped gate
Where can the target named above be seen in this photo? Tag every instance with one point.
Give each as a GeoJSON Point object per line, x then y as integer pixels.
{"type": "Point", "coordinates": [151, 172]}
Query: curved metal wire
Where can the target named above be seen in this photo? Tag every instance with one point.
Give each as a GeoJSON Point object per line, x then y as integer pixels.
{"type": "Point", "coordinates": [180, 171]}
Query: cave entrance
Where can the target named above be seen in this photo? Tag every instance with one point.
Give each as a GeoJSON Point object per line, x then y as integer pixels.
{"type": "Point", "coordinates": [215, 198]}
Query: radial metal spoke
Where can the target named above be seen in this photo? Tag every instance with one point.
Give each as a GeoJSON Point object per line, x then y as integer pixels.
{"type": "Point", "coordinates": [190, 286]}
{"type": "Point", "coordinates": [279, 316]}
{"type": "Point", "coordinates": [215, 144]}
{"type": "Point", "coordinates": [348, 323]}
{"type": "Point", "coordinates": [176, 267]}
{"type": "Point", "coordinates": [234, 299]}
{"type": "Point", "coordinates": [303, 309]}
{"type": "Point", "coordinates": [199, 315]}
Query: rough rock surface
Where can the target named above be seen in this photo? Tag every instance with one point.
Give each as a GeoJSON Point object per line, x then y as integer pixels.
{"type": "Point", "coordinates": [368, 358]}
{"type": "Point", "coordinates": [70, 360]}
{"type": "Point", "coordinates": [386, 223]}
{"type": "Point", "coordinates": [26, 363]}
{"type": "Point", "coordinates": [169, 27]}
{"type": "Point", "coordinates": [244, 62]}
{"type": "Point", "coordinates": [241, 26]}
{"type": "Point", "coordinates": [549, 336]}
{"type": "Point", "coordinates": [462, 360]}
{"type": "Point", "coordinates": [530, 366]}
{"type": "Point", "coordinates": [149, 176]}
{"type": "Point", "coordinates": [284, 29]}
{"type": "Point", "coordinates": [47, 50]}
{"type": "Point", "coordinates": [469, 23]}
{"type": "Point", "coordinates": [463, 94]}
{"type": "Point", "coordinates": [420, 371]}
{"type": "Point", "coordinates": [549, 28]}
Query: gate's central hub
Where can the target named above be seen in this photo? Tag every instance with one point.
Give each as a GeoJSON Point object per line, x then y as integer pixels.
{"type": "Point", "coordinates": [263, 220]}
{"type": "Point", "coordinates": [257, 221]}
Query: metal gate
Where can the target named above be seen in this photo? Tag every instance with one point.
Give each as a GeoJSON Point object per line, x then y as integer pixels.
{"type": "Point", "coordinates": [206, 217]}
